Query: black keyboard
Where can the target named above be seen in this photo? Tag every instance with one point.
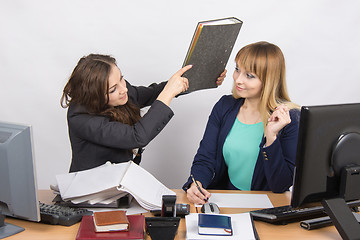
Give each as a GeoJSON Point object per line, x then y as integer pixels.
{"type": "Point", "coordinates": [287, 214]}
{"type": "Point", "coordinates": [61, 215]}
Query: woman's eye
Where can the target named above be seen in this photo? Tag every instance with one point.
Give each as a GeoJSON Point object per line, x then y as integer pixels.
{"type": "Point", "coordinates": [249, 75]}
{"type": "Point", "coordinates": [112, 90]}
{"type": "Point", "coordinates": [236, 69]}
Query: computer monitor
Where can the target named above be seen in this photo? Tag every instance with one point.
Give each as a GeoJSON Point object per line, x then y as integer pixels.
{"type": "Point", "coordinates": [328, 161]}
{"type": "Point", "coordinates": [18, 187]}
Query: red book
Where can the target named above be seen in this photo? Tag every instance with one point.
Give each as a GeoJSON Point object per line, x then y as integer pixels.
{"type": "Point", "coordinates": [87, 229]}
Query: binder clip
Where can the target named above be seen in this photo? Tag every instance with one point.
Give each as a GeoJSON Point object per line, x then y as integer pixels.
{"type": "Point", "coordinates": [166, 226]}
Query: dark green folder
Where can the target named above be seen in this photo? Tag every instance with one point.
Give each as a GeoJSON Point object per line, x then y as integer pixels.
{"type": "Point", "coordinates": [209, 52]}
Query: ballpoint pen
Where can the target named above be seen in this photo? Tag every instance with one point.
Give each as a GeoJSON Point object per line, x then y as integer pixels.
{"type": "Point", "coordinates": [198, 187]}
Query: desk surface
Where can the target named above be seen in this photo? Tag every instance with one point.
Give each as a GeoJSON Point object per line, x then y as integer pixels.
{"type": "Point", "coordinates": [266, 231]}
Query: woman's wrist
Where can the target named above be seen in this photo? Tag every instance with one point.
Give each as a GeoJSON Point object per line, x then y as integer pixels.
{"type": "Point", "coordinates": [270, 140]}
{"type": "Point", "coordinates": [165, 98]}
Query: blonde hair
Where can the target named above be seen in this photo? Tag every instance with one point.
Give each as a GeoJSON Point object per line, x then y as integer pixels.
{"type": "Point", "coordinates": [267, 61]}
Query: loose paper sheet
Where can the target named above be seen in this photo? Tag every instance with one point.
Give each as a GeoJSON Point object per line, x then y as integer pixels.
{"type": "Point", "coordinates": [233, 200]}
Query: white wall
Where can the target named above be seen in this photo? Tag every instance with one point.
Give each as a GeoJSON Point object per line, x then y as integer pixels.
{"type": "Point", "coordinates": [42, 40]}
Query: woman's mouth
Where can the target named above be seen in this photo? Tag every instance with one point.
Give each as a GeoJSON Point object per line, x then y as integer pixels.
{"type": "Point", "coordinates": [239, 88]}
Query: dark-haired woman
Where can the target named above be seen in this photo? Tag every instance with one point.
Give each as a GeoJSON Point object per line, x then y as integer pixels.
{"type": "Point", "coordinates": [103, 116]}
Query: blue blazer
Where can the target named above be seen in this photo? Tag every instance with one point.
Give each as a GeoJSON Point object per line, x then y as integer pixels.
{"type": "Point", "coordinates": [274, 168]}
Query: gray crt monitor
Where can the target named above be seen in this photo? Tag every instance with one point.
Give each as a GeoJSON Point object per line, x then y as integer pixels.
{"type": "Point", "coordinates": [18, 187]}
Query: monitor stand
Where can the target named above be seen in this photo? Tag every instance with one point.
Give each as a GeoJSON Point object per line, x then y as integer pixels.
{"type": "Point", "coordinates": [342, 217]}
{"type": "Point", "coordinates": [345, 162]}
{"type": "Point", "coordinates": [337, 209]}
{"type": "Point", "coordinates": [7, 229]}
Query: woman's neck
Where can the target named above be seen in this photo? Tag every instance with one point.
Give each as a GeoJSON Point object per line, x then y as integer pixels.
{"type": "Point", "coordinates": [251, 104]}
{"type": "Point", "coordinates": [249, 112]}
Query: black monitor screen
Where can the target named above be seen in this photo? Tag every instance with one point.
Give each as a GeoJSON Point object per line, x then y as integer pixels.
{"type": "Point", "coordinates": [329, 139]}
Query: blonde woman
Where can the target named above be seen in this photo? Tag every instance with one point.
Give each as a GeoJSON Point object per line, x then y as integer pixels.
{"type": "Point", "coordinates": [251, 136]}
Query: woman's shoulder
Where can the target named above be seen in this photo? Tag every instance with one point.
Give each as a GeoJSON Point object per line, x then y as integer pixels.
{"type": "Point", "coordinates": [76, 109]}
{"type": "Point", "coordinates": [294, 110]}
{"type": "Point", "coordinates": [295, 114]}
{"type": "Point", "coordinates": [226, 104]}
{"type": "Point", "coordinates": [229, 100]}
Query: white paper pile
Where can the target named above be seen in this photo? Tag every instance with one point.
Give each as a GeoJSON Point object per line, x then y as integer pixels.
{"type": "Point", "coordinates": [109, 182]}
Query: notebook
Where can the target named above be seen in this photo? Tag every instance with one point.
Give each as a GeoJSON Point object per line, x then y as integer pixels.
{"type": "Point", "coordinates": [214, 224]}
{"type": "Point", "coordinates": [111, 221]}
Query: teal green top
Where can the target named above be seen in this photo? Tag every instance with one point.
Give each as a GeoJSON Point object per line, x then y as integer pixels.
{"type": "Point", "coordinates": [241, 150]}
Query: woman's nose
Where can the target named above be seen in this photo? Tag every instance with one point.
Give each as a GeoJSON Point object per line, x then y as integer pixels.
{"type": "Point", "coordinates": [239, 79]}
{"type": "Point", "coordinates": [123, 90]}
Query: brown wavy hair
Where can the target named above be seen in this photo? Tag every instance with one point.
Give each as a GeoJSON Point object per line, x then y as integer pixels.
{"type": "Point", "coordinates": [88, 86]}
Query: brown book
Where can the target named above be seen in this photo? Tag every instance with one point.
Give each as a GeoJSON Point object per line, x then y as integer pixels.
{"type": "Point", "coordinates": [111, 221]}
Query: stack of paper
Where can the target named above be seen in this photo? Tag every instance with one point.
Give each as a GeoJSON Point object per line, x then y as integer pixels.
{"type": "Point", "coordinates": [109, 182]}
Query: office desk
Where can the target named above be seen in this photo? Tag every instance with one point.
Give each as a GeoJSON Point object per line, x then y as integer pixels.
{"type": "Point", "coordinates": [266, 231]}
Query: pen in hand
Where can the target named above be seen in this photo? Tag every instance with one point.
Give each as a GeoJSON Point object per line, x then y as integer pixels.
{"type": "Point", "coordinates": [198, 187]}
